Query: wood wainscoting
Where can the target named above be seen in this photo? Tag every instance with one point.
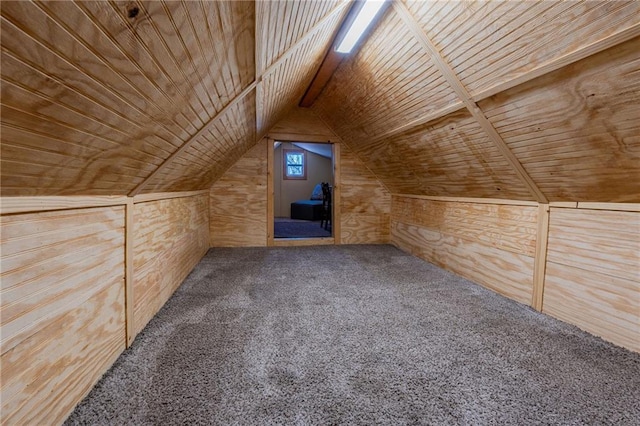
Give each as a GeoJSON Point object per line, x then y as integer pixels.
{"type": "Point", "coordinates": [72, 268]}
{"type": "Point", "coordinates": [491, 244]}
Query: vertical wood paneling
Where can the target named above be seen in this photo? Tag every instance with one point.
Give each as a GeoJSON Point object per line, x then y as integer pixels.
{"type": "Point", "coordinates": [388, 82]}
{"type": "Point", "coordinates": [284, 85]}
{"type": "Point", "coordinates": [238, 202]}
{"type": "Point", "coordinates": [62, 308]}
{"type": "Point", "coordinates": [593, 272]}
{"type": "Point", "coordinates": [283, 23]}
{"type": "Point", "coordinates": [363, 204]}
{"type": "Point", "coordinates": [170, 238]}
{"type": "Point", "coordinates": [490, 244]}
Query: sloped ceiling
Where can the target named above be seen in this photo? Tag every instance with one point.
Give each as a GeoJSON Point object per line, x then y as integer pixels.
{"type": "Point", "coordinates": [518, 99]}
{"type": "Point", "coordinates": [522, 100]}
{"type": "Point", "coordinates": [114, 97]}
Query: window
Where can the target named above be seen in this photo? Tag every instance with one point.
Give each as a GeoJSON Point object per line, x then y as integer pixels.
{"type": "Point", "coordinates": [294, 162]}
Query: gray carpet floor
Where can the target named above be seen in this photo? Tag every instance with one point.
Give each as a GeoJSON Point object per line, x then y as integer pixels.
{"type": "Point", "coordinates": [358, 335]}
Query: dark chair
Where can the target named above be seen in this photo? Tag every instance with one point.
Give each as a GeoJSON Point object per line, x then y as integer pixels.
{"type": "Point", "coordinates": [325, 222]}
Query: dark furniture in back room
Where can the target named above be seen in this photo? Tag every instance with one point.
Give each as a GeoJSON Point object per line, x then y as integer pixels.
{"type": "Point", "coordinates": [310, 209]}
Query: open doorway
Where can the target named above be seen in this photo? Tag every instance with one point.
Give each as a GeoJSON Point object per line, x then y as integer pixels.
{"type": "Point", "coordinates": [302, 189]}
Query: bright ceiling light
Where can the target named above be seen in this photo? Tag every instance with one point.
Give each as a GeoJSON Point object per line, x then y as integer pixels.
{"type": "Point", "coordinates": [366, 14]}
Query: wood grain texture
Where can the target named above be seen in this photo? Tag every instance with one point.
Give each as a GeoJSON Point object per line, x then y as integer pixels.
{"type": "Point", "coordinates": [9, 205]}
{"type": "Point", "coordinates": [94, 100]}
{"type": "Point", "coordinates": [270, 191]}
{"type": "Point", "coordinates": [387, 83]}
{"type": "Point", "coordinates": [284, 84]}
{"type": "Point", "coordinates": [493, 245]}
{"type": "Point", "coordinates": [238, 202]}
{"type": "Point", "coordinates": [205, 129]}
{"type": "Point", "coordinates": [301, 125]}
{"type": "Point", "coordinates": [283, 23]}
{"type": "Point", "coordinates": [303, 242]}
{"type": "Point", "coordinates": [507, 273]}
{"type": "Point", "coordinates": [593, 272]}
{"type": "Point", "coordinates": [489, 43]}
{"type": "Point", "coordinates": [170, 238]}
{"type": "Point", "coordinates": [496, 201]}
{"type": "Point", "coordinates": [576, 130]}
{"type": "Point", "coordinates": [365, 203]}
{"type": "Point", "coordinates": [211, 154]}
{"type": "Point", "coordinates": [504, 227]}
{"type": "Point", "coordinates": [451, 156]}
{"type": "Point", "coordinates": [62, 308]}
{"type": "Point", "coordinates": [129, 300]}
{"type": "Point", "coordinates": [361, 202]}
{"type": "Point", "coordinates": [336, 196]}
{"type": "Point", "coordinates": [464, 96]}
{"type": "Point", "coordinates": [542, 239]}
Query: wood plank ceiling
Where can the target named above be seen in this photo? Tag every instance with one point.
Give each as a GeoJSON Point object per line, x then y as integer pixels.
{"type": "Point", "coordinates": [126, 97]}
{"type": "Point", "coordinates": [521, 100]}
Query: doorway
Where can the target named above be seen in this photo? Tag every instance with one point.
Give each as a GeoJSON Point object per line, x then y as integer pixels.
{"type": "Point", "coordinates": [303, 182]}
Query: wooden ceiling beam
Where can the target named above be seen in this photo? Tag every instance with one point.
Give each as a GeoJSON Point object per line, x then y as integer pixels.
{"type": "Point", "coordinates": [462, 93]}
{"type": "Point", "coordinates": [449, 109]}
{"type": "Point", "coordinates": [192, 139]}
{"type": "Point", "coordinates": [256, 84]}
{"type": "Point", "coordinates": [302, 40]}
{"type": "Point", "coordinates": [261, 71]}
{"type": "Point", "coordinates": [553, 65]}
{"type": "Point", "coordinates": [562, 61]}
{"type": "Point", "coordinates": [332, 58]}
{"type": "Point", "coordinates": [257, 38]}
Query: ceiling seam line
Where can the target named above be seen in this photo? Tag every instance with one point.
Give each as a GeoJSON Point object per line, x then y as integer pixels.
{"type": "Point", "coordinates": [466, 99]}
{"type": "Point", "coordinates": [555, 64]}
{"type": "Point", "coordinates": [193, 138]}
{"type": "Point", "coordinates": [355, 153]}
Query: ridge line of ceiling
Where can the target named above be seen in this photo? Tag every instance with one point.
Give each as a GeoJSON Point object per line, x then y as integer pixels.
{"type": "Point", "coordinates": [285, 55]}
{"type": "Point", "coordinates": [256, 84]}
{"type": "Point", "coordinates": [462, 93]}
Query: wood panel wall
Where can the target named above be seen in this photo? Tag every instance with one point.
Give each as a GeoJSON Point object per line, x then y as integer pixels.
{"type": "Point", "coordinates": [593, 272]}
{"type": "Point", "coordinates": [66, 294]}
{"type": "Point", "coordinates": [491, 244]}
{"type": "Point", "coordinates": [62, 308]}
{"type": "Point", "coordinates": [238, 202]}
{"type": "Point", "coordinates": [170, 237]}
{"type": "Point", "coordinates": [239, 199]}
{"type": "Point", "coordinates": [588, 274]}
{"type": "Point", "coordinates": [365, 203]}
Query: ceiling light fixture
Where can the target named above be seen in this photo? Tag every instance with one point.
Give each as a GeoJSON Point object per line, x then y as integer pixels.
{"type": "Point", "coordinates": [360, 24]}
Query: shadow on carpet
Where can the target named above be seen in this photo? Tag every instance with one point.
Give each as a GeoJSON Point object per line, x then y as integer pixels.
{"type": "Point", "coordinates": [356, 335]}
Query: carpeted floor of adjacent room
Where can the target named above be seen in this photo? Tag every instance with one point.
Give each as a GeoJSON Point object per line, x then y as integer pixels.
{"type": "Point", "coordinates": [356, 335]}
{"type": "Point", "coordinates": [292, 228]}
